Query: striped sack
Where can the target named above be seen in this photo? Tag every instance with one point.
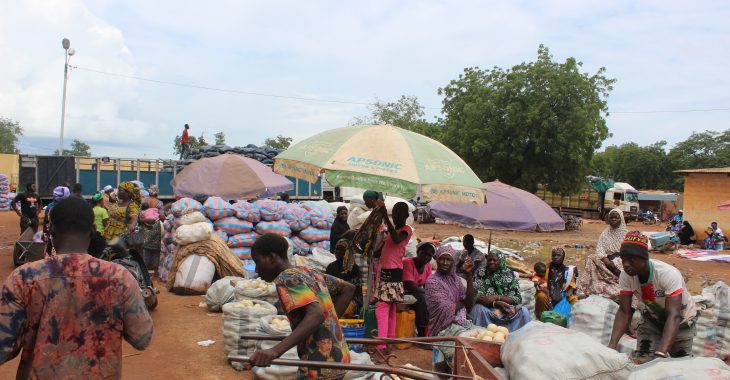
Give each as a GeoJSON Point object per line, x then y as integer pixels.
{"type": "Point", "coordinates": [247, 211]}
{"type": "Point", "coordinates": [271, 209]}
{"type": "Point", "coordinates": [242, 240]}
{"type": "Point", "coordinates": [243, 253]}
{"type": "Point", "coordinates": [216, 208]}
{"type": "Point", "coordinates": [185, 203]}
{"type": "Point", "coordinates": [313, 235]}
{"type": "Point", "coordinates": [232, 225]}
{"type": "Point", "coordinates": [299, 246]}
{"type": "Point", "coordinates": [221, 234]}
{"type": "Point", "coordinates": [296, 217]}
{"type": "Point", "coordinates": [324, 244]}
{"type": "Point", "coordinates": [276, 227]}
{"type": "Point", "coordinates": [322, 218]}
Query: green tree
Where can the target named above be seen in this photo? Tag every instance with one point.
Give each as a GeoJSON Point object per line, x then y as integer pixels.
{"type": "Point", "coordinates": [192, 141]}
{"type": "Point", "coordinates": [538, 122]}
{"type": "Point", "coordinates": [279, 142]}
{"type": "Point", "coordinates": [644, 167]}
{"type": "Point", "coordinates": [406, 113]}
{"type": "Point", "coordinates": [10, 132]}
{"type": "Point", "coordinates": [220, 138]}
{"type": "Point", "coordinates": [78, 149]}
{"type": "Point", "coordinates": [708, 149]}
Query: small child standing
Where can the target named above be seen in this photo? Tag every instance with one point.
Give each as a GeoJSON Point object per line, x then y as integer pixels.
{"type": "Point", "coordinates": [150, 220]}
{"type": "Point", "coordinates": [390, 286]}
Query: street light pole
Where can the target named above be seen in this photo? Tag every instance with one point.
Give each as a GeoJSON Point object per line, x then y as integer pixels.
{"type": "Point", "coordinates": [68, 53]}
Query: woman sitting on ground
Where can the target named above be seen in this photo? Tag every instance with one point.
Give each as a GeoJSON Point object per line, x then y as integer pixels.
{"type": "Point", "coordinates": [448, 300]}
{"type": "Point", "coordinates": [561, 283]}
{"type": "Point", "coordinates": [603, 268]}
{"type": "Point", "coordinates": [498, 295]}
{"type": "Point", "coordinates": [686, 234]}
{"type": "Point", "coordinates": [416, 271]}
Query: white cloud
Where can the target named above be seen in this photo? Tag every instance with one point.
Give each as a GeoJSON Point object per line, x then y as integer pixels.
{"type": "Point", "coordinates": [666, 55]}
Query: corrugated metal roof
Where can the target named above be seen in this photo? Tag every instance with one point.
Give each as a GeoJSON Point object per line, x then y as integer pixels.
{"type": "Point", "coordinates": [706, 171]}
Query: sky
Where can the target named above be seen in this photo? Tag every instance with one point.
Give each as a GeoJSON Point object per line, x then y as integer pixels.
{"type": "Point", "coordinates": [338, 56]}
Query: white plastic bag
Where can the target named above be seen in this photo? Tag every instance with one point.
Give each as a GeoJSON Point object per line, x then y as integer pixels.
{"type": "Point", "coordinates": [534, 351]}
{"type": "Point", "coordinates": [361, 359]}
{"type": "Point", "coordinates": [194, 275]}
{"type": "Point", "coordinates": [243, 317]}
{"type": "Point", "coordinates": [594, 316]}
{"type": "Point", "coordinates": [254, 289]}
{"type": "Point", "coordinates": [682, 368]}
{"type": "Point", "coordinates": [191, 218]}
{"type": "Point", "coordinates": [527, 291]}
{"type": "Point", "coordinates": [193, 233]}
{"type": "Point", "coordinates": [321, 258]}
{"type": "Point", "coordinates": [271, 327]}
{"type": "Point", "coordinates": [221, 293]}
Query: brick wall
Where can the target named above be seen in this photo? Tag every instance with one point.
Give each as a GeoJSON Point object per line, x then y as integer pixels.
{"type": "Point", "coordinates": [702, 194]}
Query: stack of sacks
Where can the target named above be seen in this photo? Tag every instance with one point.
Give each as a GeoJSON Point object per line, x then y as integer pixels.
{"type": "Point", "coordinates": [241, 318]}
{"type": "Point", "coordinates": [713, 324]}
{"type": "Point", "coordinates": [4, 193]}
{"type": "Point", "coordinates": [307, 225]}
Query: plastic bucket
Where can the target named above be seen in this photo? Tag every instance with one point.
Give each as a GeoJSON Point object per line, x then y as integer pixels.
{"type": "Point", "coordinates": [354, 332]}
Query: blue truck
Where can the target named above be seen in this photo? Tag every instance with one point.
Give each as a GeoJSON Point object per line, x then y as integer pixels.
{"type": "Point", "coordinates": [93, 173]}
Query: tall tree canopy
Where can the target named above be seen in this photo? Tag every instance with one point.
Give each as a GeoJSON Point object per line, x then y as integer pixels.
{"type": "Point", "coordinates": [10, 132]}
{"type": "Point", "coordinates": [280, 142]}
{"type": "Point", "coordinates": [220, 138]}
{"type": "Point", "coordinates": [538, 122]}
{"type": "Point", "coordinates": [644, 167]}
{"type": "Point", "coordinates": [78, 149]}
{"type": "Point", "coordinates": [651, 166]}
{"type": "Point", "coordinates": [406, 113]}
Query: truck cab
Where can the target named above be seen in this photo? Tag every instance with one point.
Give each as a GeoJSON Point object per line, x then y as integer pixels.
{"type": "Point", "coordinates": [624, 197]}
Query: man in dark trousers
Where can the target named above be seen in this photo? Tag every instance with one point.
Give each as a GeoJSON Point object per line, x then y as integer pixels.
{"type": "Point", "coordinates": [185, 143]}
{"type": "Point", "coordinates": [30, 208]}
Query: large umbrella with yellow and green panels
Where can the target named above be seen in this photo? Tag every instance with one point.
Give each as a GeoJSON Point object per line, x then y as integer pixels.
{"type": "Point", "coordinates": [383, 158]}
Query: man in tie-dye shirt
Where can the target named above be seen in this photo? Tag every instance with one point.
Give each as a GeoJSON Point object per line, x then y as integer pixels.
{"type": "Point", "coordinates": [307, 298]}
{"type": "Point", "coordinates": [69, 312]}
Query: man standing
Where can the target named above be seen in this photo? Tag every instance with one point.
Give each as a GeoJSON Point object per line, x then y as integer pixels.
{"type": "Point", "coordinates": [470, 251]}
{"type": "Point", "coordinates": [69, 312]}
{"type": "Point", "coordinates": [77, 191]}
{"type": "Point", "coordinates": [668, 314]}
{"type": "Point", "coordinates": [29, 208]}
{"type": "Point", "coordinates": [185, 143]}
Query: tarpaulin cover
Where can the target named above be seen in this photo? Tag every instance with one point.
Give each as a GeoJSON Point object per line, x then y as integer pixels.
{"type": "Point", "coordinates": [507, 208]}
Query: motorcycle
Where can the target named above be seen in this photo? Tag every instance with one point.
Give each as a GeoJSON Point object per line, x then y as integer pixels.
{"type": "Point", "coordinates": [649, 218]}
{"type": "Point", "coordinates": [131, 260]}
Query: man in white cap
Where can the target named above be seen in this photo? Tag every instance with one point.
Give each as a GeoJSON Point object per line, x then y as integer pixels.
{"type": "Point", "coordinates": [107, 194]}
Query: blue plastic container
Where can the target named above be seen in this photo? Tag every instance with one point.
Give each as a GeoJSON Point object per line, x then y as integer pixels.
{"type": "Point", "coordinates": [354, 332]}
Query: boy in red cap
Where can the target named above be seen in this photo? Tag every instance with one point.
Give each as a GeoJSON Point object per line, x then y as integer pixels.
{"type": "Point", "coordinates": [668, 314]}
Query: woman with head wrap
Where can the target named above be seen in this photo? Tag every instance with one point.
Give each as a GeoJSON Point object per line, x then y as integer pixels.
{"type": "Point", "coordinates": [448, 299]}
{"type": "Point", "coordinates": [602, 269]}
{"type": "Point", "coordinates": [336, 269]}
{"type": "Point", "coordinates": [124, 213]}
{"type": "Point", "coordinates": [561, 282]}
{"type": "Point", "coordinates": [152, 201]}
{"type": "Point", "coordinates": [339, 227]}
{"type": "Point", "coordinates": [498, 295]}
{"type": "Point", "coordinates": [59, 193]}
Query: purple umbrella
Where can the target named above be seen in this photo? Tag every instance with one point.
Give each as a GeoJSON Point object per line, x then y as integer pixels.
{"type": "Point", "coordinates": [229, 176]}
{"type": "Point", "coordinates": [507, 208]}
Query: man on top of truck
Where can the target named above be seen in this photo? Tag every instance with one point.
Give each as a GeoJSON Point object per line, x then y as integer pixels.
{"type": "Point", "coordinates": [185, 143]}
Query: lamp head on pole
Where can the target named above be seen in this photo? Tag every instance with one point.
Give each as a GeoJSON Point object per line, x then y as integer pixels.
{"type": "Point", "coordinates": [66, 43]}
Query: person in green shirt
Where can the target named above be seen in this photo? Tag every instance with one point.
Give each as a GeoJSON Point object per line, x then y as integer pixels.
{"type": "Point", "coordinates": [101, 216]}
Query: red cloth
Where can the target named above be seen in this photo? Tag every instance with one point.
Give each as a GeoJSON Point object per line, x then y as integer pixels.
{"type": "Point", "coordinates": [184, 139]}
{"type": "Point", "coordinates": [410, 273]}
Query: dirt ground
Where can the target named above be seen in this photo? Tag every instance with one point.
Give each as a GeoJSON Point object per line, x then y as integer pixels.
{"type": "Point", "coordinates": [180, 323]}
